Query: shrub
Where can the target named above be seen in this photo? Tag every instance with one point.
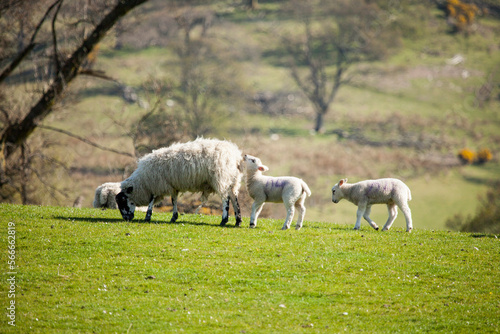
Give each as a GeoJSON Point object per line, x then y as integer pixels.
{"type": "Point", "coordinates": [487, 218]}
{"type": "Point", "coordinates": [467, 156]}
{"type": "Point", "coordinates": [460, 15]}
{"type": "Point", "coordinates": [484, 156]}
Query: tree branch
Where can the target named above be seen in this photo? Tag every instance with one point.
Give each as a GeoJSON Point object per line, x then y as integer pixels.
{"type": "Point", "coordinates": [19, 58]}
{"type": "Point", "coordinates": [85, 140]}
{"type": "Point", "coordinates": [54, 39]}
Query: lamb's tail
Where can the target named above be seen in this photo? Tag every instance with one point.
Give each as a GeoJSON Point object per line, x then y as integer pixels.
{"type": "Point", "coordinates": [305, 188]}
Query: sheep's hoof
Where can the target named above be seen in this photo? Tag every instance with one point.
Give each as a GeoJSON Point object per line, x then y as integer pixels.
{"type": "Point", "coordinates": [409, 230]}
{"type": "Point", "coordinates": [224, 221]}
{"type": "Point", "coordinates": [284, 228]}
{"type": "Point", "coordinates": [376, 228]}
{"type": "Point", "coordinates": [252, 226]}
{"type": "Point", "coordinates": [298, 227]}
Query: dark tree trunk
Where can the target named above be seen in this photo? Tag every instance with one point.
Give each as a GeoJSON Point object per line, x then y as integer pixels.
{"type": "Point", "coordinates": [318, 125]}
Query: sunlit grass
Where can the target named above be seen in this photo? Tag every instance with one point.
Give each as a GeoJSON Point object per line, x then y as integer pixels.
{"type": "Point", "coordinates": [87, 270]}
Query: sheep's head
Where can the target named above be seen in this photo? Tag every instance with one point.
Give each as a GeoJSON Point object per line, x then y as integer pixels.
{"type": "Point", "coordinates": [125, 203]}
{"type": "Point", "coordinates": [254, 164]}
{"type": "Point", "coordinates": [337, 193]}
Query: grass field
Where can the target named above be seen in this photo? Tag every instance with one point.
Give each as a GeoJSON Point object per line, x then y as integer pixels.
{"type": "Point", "coordinates": [88, 271]}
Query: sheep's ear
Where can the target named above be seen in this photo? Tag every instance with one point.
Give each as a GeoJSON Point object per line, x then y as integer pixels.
{"type": "Point", "coordinates": [341, 182]}
{"type": "Point", "coordinates": [129, 190]}
{"type": "Point", "coordinates": [263, 168]}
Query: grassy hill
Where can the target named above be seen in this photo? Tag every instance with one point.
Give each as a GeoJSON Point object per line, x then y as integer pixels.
{"type": "Point", "coordinates": [87, 270]}
{"type": "Point", "coordinates": [406, 116]}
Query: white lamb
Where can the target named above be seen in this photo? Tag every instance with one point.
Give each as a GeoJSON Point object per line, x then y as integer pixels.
{"type": "Point", "coordinates": [289, 190]}
{"type": "Point", "coordinates": [364, 194]}
{"type": "Point", "coordinates": [203, 165]}
{"type": "Point", "coordinates": [105, 195]}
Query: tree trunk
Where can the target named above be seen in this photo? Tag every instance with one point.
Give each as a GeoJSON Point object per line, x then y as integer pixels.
{"type": "Point", "coordinates": [14, 135]}
{"type": "Point", "coordinates": [318, 127]}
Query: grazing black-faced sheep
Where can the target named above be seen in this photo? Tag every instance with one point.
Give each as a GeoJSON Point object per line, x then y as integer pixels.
{"type": "Point", "coordinates": [203, 165]}
{"type": "Point", "coordinates": [289, 190]}
{"type": "Point", "coordinates": [392, 192]}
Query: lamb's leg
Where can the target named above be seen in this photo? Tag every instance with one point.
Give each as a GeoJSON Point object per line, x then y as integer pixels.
{"type": "Point", "coordinates": [150, 209]}
{"type": "Point", "coordinates": [359, 214]}
{"type": "Point", "coordinates": [237, 211]}
{"type": "Point", "coordinates": [290, 211]}
{"type": "Point", "coordinates": [393, 213]}
{"type": "Point", "coordinates": [175, 214]}
{"type": "Point", "coordinates": [407, 212]}
{"type": "Point", "coordinates": [368, 219]}
{"type": "Point", "coordinates": [256, 209]}
{"type": "Point", "coordinates": [302, 211]}
{"type": "Point", "coordinates": [225, 211]}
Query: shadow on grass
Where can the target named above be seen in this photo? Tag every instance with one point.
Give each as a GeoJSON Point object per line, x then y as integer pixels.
{"type": "Point", "coordinates": [483, 235]}
{"type": "Point", "coordinates": [139, 221]}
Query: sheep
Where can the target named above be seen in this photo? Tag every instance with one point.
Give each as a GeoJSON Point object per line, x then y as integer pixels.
{"type": "Point", "coordinates": [364, 194]}
{"type": "Point", "coordinates": [289, 190]}
{"type": "Point", "coordinates": [203, 165]}
{"type": "Point", "coordinates": [105, 195]}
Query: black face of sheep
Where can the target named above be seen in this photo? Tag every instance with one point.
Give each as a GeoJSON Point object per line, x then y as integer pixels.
{"type": "Point", "coordinates": [126, 206]}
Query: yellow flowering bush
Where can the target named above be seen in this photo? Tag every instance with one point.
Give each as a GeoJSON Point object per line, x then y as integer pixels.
{"type": "Point", "coordinates": [467, 156]}
{"type": "Point", "coordinates": [484, 155]}
{"type": "Point", "coordinates": [461, 14]}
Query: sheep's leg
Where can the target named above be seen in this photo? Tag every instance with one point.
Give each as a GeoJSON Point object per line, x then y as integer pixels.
{"type": "Point", "coordinates": [175, 214]}
{"type": "Point", "coordinates": [407, 212]}
{"type": "Point", "coordinates": [366, 216]}
{"type": "Point", "coordinates": [203, 200]}
{"type": "Point", "coordinates": [359, 214]}
{"type": "Point", "coordinates": [150, 209]}
{"type": "Point", "coordinates": [225, 211]}
{"type": "Point", "coordinates": [393, 213]}
{"type": "Point", "coordinates": [302, 211]}
{"type": "Point", "coordinates": [290, 211]}
{"type": "Point", "coordinates": [237, 211]}
{"type": "Point", "coordinates": [256, 209]}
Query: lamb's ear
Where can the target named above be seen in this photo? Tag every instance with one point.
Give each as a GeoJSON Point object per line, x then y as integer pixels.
{"type": "Point", "coordinates": [263, 168]}
{"type": "Point", "coordinates": [341, 182]}
{"type": "Point", "coordinates": [129, 190]}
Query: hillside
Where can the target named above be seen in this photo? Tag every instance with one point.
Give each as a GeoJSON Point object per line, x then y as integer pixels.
{"type": "Point", "coordinates": [405, 116]}
{"type": "Point", "coordinates": [87, 270]}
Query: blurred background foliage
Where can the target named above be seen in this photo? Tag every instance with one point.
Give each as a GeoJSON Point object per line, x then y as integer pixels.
{"type": "Point", "coordinates": [318, 89]}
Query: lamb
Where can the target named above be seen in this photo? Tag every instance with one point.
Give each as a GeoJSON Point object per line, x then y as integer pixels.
{"type": "Point", "coordinates": [364, 194]}
{"type": "Point", "coordinates": [203, 165]}
{"type": "Point", "coordinates": [289, 190]}
{"type": "Point", "coordinates": [105, 195]}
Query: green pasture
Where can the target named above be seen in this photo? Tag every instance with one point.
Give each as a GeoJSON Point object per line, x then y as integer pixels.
{"type": "Point", "coordinates": [88, 271]}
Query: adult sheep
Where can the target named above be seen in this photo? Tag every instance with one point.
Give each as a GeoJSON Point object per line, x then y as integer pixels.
{"type": "Point", "coordinates": [105, 195]}
{"type": "Point", "coordinates": [203, 165]}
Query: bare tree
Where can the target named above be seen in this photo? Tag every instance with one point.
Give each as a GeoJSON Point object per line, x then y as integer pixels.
{"type": "Point", "coordinates": [66, 62]}
{"type": "Point", "coordinates": [207, 81]}
{"type": "Point", "coordinates": [14, 135]}
{"type": "Point", "coordinates": [335, 35]}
